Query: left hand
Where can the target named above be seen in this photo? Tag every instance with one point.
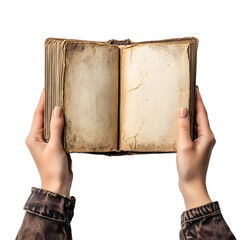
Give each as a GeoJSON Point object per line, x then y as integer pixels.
{"type": "Point", "coordinates": [53, 163]}
{"type": "Point", "coordinates": [193, 156]}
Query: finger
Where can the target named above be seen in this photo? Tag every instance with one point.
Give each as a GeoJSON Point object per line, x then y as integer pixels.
{"type": "Point", "coordinates": [184, 136]}
{"type": "Point", "coordinates": [201, 116]}
{"type": "Point", "coordinates": [56, 126]}
{"type": "Point", "coordinates": [37, 123]}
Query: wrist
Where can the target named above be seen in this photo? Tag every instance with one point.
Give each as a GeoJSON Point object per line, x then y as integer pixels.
{"type": "Point", "coordinates": [62, 189]}
{"type": "Point", "coordinates": [195, 194]}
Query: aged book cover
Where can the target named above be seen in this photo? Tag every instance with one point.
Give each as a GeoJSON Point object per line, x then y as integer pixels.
{"type": "Point", "coordinates": [120, 97]}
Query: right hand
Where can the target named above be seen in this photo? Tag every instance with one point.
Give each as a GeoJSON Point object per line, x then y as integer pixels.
{"type": "Point", "coordinates": [53, 163]}
{"type": "Point", "coordinates": [193, 156]}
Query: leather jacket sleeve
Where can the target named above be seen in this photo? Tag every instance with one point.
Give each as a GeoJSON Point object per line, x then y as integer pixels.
{"type": "Point", "coordinates": [48, 216]}
{"type": "Point", "coordinates": [205, 222]}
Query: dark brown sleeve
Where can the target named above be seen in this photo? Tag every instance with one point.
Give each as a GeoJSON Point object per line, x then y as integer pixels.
{"type": "Point", "coordinates": [205, 222]}
{"type": "Point", "coordinates": [48, 216]}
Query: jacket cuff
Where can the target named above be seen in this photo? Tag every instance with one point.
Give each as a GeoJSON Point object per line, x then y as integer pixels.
{"type": "Point", "coordinates": [50, 205]}
{"type": "Point", "coordinates": [200, 212]}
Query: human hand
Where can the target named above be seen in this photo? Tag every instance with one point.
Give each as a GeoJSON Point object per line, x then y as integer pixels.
{"type": "Point", "coordinates": [53, 163]}
{"type": "Point", "coordinates": [193, 156]}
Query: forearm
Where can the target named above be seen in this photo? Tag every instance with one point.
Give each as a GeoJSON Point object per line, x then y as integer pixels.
{"type": "Point", "coordinates": [205, 222]}
{"type": "Point", "coordinates": [48, 216]}
{"type": "Point", "coordinates": [194, 194]}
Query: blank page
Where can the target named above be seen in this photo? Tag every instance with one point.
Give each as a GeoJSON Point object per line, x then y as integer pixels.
{"type": "Point", "coordinates": [155, 83]}
{"type": "Point", "coordinates": [91, 97]}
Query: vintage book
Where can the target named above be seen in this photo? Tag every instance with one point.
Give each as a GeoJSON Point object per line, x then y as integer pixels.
{"type": "Point", "coordinates": [120, 96]}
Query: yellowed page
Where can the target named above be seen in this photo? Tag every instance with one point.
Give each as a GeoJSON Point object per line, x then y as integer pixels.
{"type": "Point", "coordinates": [91, 97]}
{"type": "Point", "coordinates": [155, 83]}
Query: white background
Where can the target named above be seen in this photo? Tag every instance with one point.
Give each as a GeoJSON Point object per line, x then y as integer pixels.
{"type": "Point", "coordinates": [130, 197]}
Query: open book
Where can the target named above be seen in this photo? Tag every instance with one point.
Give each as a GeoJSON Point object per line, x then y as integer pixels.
{"type": "Point", "coordinates": [120, 96]}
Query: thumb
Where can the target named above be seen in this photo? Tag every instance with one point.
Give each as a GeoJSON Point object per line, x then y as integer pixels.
{"type": "Point", "coordinates": [184, 127]}
{"type": "Point", "coordinates": [56, 126]}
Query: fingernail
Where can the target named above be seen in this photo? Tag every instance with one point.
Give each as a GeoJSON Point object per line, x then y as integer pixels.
{"type": "Point", "coordinates": [183, 112]}
{"type": "Point", "coordinates": [57, 112]}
